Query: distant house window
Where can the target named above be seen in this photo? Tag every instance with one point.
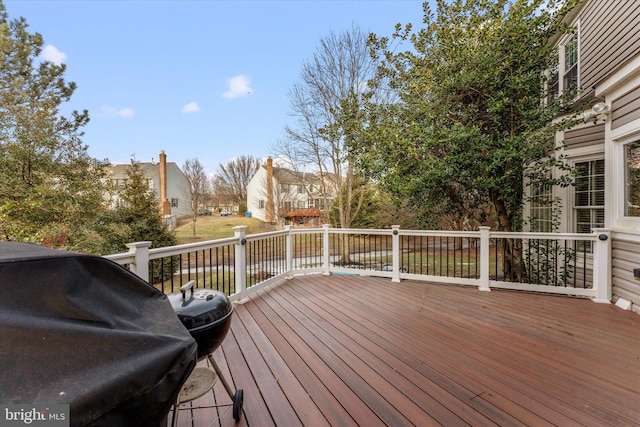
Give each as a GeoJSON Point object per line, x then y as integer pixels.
{"type": "Point", "coordinates": [300, 189]}
{"type": "Point", "coordinates": [174, 203]}
{"type": "Point", "coordinates": [311, 188]}
{"type": "Point", "coordinates": [261, 204]}
{"type": "Point", "coordinates": [589, 196]}
{"type": "Point", "coordinates": [300, 204]}
{"type": "Point", "coordinates": [284, 188]}
{"type": "Point", "coordinates": [541, 208]}
{"type": "Point", "coordinates": [318, 203]}
{"type": "Point", "coordinates": [571, 62]}
{"type": "Point", "coordinates": [632, 179]}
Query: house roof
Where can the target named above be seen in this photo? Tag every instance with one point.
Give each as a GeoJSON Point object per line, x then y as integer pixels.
{"type": "Point", "coordinates": [288, 176]}
{"type": "Point", "coordinates": [148, 169]}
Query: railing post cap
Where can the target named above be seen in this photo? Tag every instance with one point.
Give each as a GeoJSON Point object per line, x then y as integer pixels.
{"type": "Point", "coordinates": [240, 227]}
{"type": "Point", "coordinates": [326, 225]}
{"type": "Point", "coordinates": [138, 245]}
{"type": "Point", "coordinates": [484, 227]}
{"type": "Point", "coordinates": [395, 227]}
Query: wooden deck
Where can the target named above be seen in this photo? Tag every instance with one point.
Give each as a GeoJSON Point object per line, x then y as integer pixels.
{"type": "Point", "coordinates": [345, 351]}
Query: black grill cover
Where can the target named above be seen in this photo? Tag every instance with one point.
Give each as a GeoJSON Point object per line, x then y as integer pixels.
{"type": "Point", "coordinates": [81, 330]}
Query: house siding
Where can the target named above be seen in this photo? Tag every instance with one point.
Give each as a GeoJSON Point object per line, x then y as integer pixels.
{"type": "Point", "coordinates": [584, 137]}
{"type": "Point", "coordinates": [625, 256]}
{"type": "Point", "coordinates": [626, 108]}
{"type": "Point", "coordinates": [608, 37]}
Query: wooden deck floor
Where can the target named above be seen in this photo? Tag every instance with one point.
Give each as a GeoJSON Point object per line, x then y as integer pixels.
{"type": "Point", "coordinates": [345, 351]}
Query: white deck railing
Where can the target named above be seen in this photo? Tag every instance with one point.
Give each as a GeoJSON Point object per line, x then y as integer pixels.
{"type": "Point", "coordinates": [560, 263]}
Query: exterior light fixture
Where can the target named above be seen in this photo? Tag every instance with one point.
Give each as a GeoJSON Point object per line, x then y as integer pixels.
{"type": "Point", "coordinates": [600, 107]}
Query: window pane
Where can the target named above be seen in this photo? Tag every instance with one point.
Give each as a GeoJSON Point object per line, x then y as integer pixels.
{"type": "Point", "coordinates": [589, 195]}
{"type": "Point", "coordinates": [632, 179]}
{"type": "Point", "coordinates": [571, 62]}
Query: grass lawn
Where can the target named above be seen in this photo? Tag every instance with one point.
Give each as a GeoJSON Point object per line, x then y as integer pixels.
{"type": "Point", "coordinates": [214, 227]}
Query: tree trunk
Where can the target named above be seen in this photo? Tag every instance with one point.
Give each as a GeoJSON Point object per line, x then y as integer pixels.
{"type": "Point", "coordinates": [514, 267]}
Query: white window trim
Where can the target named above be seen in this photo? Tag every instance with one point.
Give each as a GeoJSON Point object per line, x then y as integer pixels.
{"type": "Point", "coordinates": [572, 218]}
{"type": "Point", "coordinates": [561, 56]}
{"type": "Point", "coordinates": [621, 178]}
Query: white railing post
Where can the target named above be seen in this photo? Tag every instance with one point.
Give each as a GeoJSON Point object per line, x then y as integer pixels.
{"type": "Point", "coordinates": [484, 258]}
{"type": "Point", "coordinates": [326, 255]}
{"type": "Point", "coordinates": [395, 252]}
{"type": "Point", "coordinates": [289, 251]}
{"type": "Point", "coordinates": [140, 265]}
{"type": "Point", "coordinates": [602, 265]}
{"type": "Point", "coordinates": [240, 262]}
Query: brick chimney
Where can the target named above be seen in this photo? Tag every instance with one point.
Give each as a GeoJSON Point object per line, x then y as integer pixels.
{"type": "Point", "coordinates": [269, 214]}
{"type": "Point", "coordinates": [164, 205]}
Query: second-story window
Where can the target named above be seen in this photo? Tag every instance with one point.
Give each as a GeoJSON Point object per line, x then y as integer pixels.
{"type": "Point", "coordinates": [571, 62]}
{"type": "Point", "coordinates": [300, 189]}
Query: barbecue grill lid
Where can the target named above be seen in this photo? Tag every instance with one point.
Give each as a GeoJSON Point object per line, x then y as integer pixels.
{"type": "Point", "coordinates": [199, 308]}
{"type": "Point", "coordinates": [81, 330]}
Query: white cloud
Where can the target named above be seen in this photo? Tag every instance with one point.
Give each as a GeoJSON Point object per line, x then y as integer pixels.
{"type": "Point", "coordinates": [110, 112]}
{"type": "Point", "coordinates": [191, 107]}
{"type": "Point", "coordinates": [238, 87]}
{"type": "Point", "coordinates": [52, 54]}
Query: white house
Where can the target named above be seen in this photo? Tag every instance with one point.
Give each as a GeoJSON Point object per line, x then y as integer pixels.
{"type": "Point", "coordinates": [166, 180]}
{"type": "Point", "coordinates": [279, 195]}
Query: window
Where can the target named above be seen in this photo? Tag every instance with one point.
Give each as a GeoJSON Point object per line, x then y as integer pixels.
{"type": "Point", "coordinates": [589, 195]}
{"type": "Point", "coordinates": [300, 189]}
{"type": "Point", "coordinates": [260, 204]}
{"type": "Point", "coordinates": [565, 73]}
{"type": "Point", "coordinates": [174, 203]}
{"type": "Point", "coordinates": [571, 62]}
{"type": "Point", "coordinates": [317, 203]}
{"type": "Point", "coordinates": [541, 208]}
{"type": "Point", "coordinates": [632, 179]}
{"type": "Point", "coordinates": [284, 188]}
{"type": "Point", "coordinates": [300, 204]}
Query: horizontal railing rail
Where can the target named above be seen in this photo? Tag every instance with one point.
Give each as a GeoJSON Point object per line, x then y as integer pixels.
{"type": "Point", "coordinates": [561, 263]}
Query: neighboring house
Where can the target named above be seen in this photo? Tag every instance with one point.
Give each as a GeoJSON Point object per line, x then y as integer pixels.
{"type": "Point", "coordinates": [278, 195]}
{"type": "Point", "coordinates": [601, 55]}
{"type": "Point", "coordinates": [166, 180]}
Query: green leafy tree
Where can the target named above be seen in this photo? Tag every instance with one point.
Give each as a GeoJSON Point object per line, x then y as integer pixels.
{"type": "Point", "coordinates": [50, 188]}
{"type": "Point", "coordinates": [467, 121]}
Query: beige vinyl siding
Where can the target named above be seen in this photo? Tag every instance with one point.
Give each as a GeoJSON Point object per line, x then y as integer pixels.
{"type": "Point", "coordinates": [626, 108]}
{"type": "Point", "coordinates": [609, 37]}
{"type": "Point", "coordinates": [625, 257]}
{"type": "Point", "coordinates": [584, 137]}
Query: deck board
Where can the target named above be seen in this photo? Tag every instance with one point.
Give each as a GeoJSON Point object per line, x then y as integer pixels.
{"type": "Point", "coordinates": [344, 350]}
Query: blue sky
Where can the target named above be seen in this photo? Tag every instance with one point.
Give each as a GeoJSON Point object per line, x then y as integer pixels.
{"type": "Point", "coordinates": [195, 78]}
